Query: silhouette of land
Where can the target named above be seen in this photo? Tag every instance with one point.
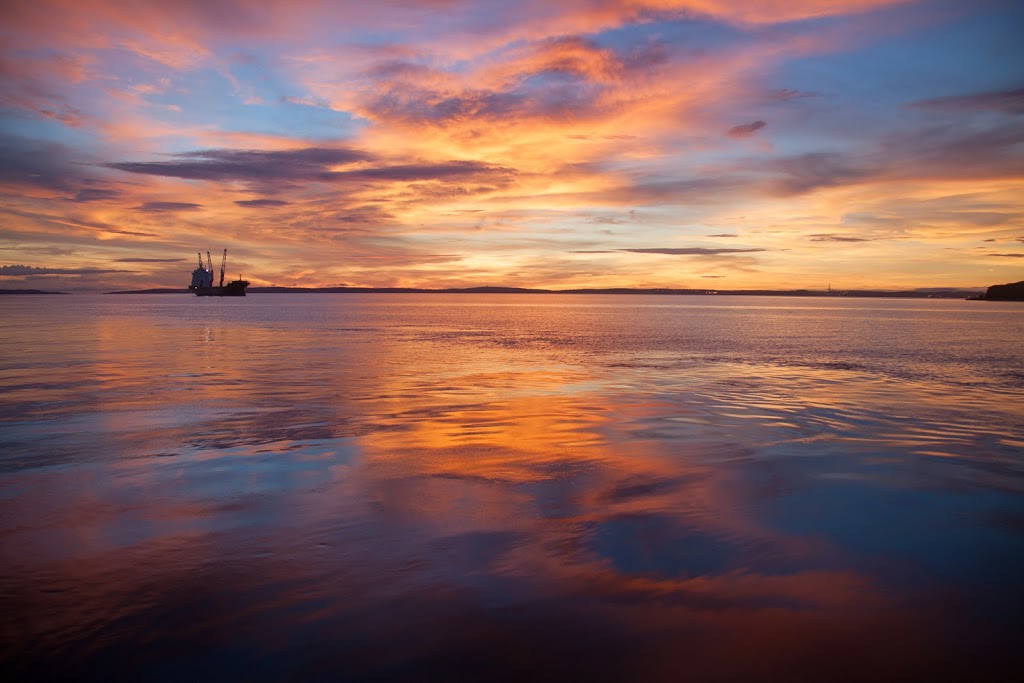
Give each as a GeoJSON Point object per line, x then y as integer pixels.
{"type": "Point", "coordinates": [928, 293]}
{"type": "Point", "coordinates": [1013, 291]}
{"type": "Point", "coordinates": [27, 291]}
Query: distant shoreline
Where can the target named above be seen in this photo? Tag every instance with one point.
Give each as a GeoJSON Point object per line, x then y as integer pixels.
{"type": "Point", "coordinates": [27, 291]}
{"type": "Point", "coordinates": [861, 293]}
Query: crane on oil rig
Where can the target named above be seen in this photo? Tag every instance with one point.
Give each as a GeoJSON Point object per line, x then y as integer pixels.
{"type": "Point", "coordinates": [202, 279]}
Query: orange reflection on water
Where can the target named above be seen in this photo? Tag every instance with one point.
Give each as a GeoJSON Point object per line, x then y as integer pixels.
{"type": "Point", "coordinates": [424, 494]}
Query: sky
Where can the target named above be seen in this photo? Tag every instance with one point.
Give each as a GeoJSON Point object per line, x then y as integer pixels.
{"type": "Point", "coordinates": [709, 144]}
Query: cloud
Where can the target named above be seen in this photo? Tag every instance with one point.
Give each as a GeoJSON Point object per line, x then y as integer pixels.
{"type": "Point", "coordinates": [690, 251]}
{"type": "Point", "coordinates": [34, 163]}
{"type": "Point", "coordinates": [1008, 255]}
{"type": "Point", "coordinates": [806, 172]}
{"type": "Point", "coordinates": [32, 86]}
{"type": "Point", "coordinates": [159, 207]}
{"type": "Point", "coordinates": [725, 234]}
{"type": "Point", "coordinates": [312, 163]}
{"type": "Point", "coordinates": [419, 172]}
{"type": "Point", "coordinates": [23, 271]}
{"type": "Point", "coordinates": [261, 203]}
{"type": "Point", "coordinates": [93, 194]}
{"type": "Point", "coordinates": [148, 260]}
{"type": "Point", "coordinates": [959, 151]}
{"type": "Point", "coordinates": [707, 190]}
{"type": "Point", "coordinates": [826, 237]}
{"type": "Point", "coordinates": [746, 129]}
{"type": "Point", "coordinates": [579, 136]}
{"type": "Point", "coordinates": [1006, 101]}
{"type": "Point", "coordinates": [564, 78]}
{"type": "Point", "coordinates": [982, 150]}
{"type": "Point", "coordinates": [789, 94]}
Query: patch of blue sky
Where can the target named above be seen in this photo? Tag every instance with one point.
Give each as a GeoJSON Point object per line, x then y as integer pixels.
{"type": "Point", "coordinates": [213, 96]}
{"type": "Point", "coordinates": [31, 126]}
{"type": "Point", "coordinates": [262, 78]}
{"type": "Point", "coordinates": [125, 68]}
{"type": "Point", "coordinates": [682, 35]}
{"type": "Point", "coordinates": [853, 99]}
{"type": "Point", "coordinates": [960, 55]}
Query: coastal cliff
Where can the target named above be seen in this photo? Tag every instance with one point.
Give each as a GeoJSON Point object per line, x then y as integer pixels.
{"type": "Point", "coordinates": [1009, 292]}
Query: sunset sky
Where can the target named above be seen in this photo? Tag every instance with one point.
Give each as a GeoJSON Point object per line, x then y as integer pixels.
{"type": "Point", "coordinates": [717, 144]}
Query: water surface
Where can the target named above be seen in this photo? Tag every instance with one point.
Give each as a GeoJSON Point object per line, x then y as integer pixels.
{"type": "Point", "coordinates": [508, 487]}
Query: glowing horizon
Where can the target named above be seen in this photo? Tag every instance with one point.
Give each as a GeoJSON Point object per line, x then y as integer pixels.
{"type": "Point", "coordinates": [640, 143]}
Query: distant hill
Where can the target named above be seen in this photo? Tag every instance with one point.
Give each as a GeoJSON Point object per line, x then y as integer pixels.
{"type": "Point", "coordinates": [158, 290]}
{"type": "Point", "coordinates": [1009, 292]}
{"type": "Point", "coordinates": [27, 291]}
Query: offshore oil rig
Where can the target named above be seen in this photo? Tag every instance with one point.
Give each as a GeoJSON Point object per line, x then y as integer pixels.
{"type": "Point", "coordinates": [202, 279]}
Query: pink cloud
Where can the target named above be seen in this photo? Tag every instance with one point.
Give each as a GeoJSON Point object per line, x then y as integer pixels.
{"type": "Point", "coordinates": [746, 130]}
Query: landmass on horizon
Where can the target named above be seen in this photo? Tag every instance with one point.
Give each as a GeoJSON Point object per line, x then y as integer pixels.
{"type": "Point", "coordinates": [1006, 292]}
{"type": "Point", "coordinates": [924, 293]}
{"type": "Point", "coordinates": [29, 291]}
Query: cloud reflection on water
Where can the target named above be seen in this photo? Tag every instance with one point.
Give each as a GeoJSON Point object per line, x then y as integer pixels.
{"type": "Point", "coordinates": [401, 505]}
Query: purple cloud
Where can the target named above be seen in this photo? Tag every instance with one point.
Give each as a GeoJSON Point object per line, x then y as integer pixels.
{"type": "Point", "coordinates": [22, 271]}
{"type": "Point", "coordinates": [92, 194]}
{"type": "Point", "coordinates": [746, 129]}
{"type": "Point", "coordinates": [261, 203]}
{"type": "Point", "coordinates": [789, 94]}
{"type": "Point", "coordinates": [1007, 101]}
{"type": "Point", "coordinates": [806, 172]}
{"type": "Point", "coordinates": [159, 207]}
{"type": "Point", "coordinates": [312, 164]}
{"type": "Point", "coordinates": [232, 164]}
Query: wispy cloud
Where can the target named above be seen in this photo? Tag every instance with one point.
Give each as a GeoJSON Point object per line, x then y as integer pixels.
{"type": "Point", "coordinates": [161, 207]}
{"type": "Point", "coordinates": [1006, 101]}
{"type": "Point", "coordinates": [745, 130]}
{"type": "Point", "coordinates": [691, 251]}
{"type": "Point", "coordinates": [93, 194]}
{"type": "Point", "coordinates": [821, 237]}
{"type": "Point", "coordinates": [23, 271]}
{"type": "Point", "coordinates": [262, 203]}
{"type": "Point", "coordinates": [147, 260]}
{"type": "Point", "coordinates": [230, 164]}
{"type": "Point", "coordinates": [312, 164]}
{"type": "Point", "coordinates": [789, 95]}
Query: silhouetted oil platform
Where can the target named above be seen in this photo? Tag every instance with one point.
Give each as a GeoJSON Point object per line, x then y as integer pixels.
{"type": "Point", "coordinates": [202, 279]}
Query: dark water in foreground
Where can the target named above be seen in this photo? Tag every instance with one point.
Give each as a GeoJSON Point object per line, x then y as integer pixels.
{"type": "Point", "coordinates": [499, 487]}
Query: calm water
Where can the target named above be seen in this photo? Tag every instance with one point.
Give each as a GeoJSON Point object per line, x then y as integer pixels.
{"type": "Point", "coordinates": [503, 487]}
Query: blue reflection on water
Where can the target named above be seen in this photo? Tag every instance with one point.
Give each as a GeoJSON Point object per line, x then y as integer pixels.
{"type": "Point", "coordinates": [612, 488]}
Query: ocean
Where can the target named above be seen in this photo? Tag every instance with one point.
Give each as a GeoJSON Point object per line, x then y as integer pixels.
{"type": "Point", "coordinates": [490, 487]}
